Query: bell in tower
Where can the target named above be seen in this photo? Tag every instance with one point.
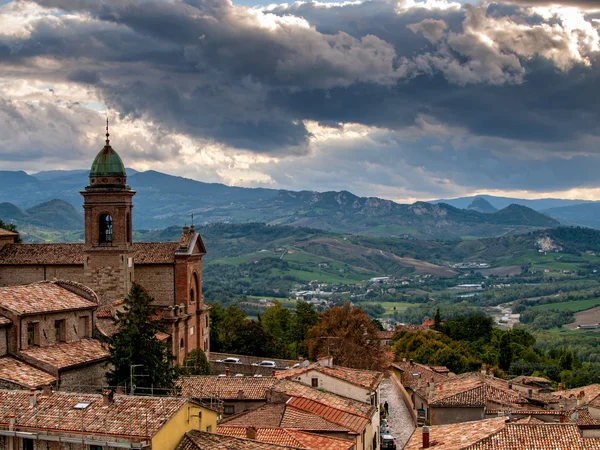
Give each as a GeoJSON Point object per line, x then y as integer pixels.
{"type": "Point", "coordinates": [108, 256]}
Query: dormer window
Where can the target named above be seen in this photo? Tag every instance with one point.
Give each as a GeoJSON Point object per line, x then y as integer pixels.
{"type": "Point", "coordinates": [105, 228]}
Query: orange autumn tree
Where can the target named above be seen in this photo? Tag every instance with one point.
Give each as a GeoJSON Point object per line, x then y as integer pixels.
{"type": "Point", "coordinates": [349, 335]}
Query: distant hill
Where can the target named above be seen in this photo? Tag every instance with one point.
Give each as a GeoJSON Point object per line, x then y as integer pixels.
{"type": "Point", "coordinates": [502, 202]}
{"type": "Point", "coordinates": [54, 214]}
{"type": "Point", "coordinates": [585, 214]}
{"type": "Point", "coordinates": [162, 200]}
{"type": "Point", "coordinates": [482, 205]}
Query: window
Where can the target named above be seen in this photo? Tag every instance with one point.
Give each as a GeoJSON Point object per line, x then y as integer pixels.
{"type": "Point", "coordinates": [192, 296]}
{"type": "Point", "coordinates": [28, 444]}
{"type": "Point", "coordinates": [95, 447]}
{"type": "Point", "coordinates": [191, 331]}
{"type": "Point", "coordinates": [59, 331]}
{"type": "Point", "coordinates": [314, 382]}
{"type": "Point", "coordinates": [209, 428]}
{"type": "Point", "coordinates": [33, 334]}
{"type": "Point", "coordinates": [228, 410]}
{"type": "Point", "coordinates": [84, 326]}
{"type": "Point", "coordinates": [206, 321]}
{"type": "Point", "coordinates": [181, 343]}
{"type": "Point", "coordinates": [105, 228]}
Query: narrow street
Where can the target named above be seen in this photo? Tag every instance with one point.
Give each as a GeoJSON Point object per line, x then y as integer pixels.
{"type": "Point", "coordinates": [400, 423]}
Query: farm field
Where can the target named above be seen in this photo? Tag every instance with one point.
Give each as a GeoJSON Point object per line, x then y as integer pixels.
{"type": "Point", "coordinates": [590, 316]}
{"type": "Point", "coordinates": [575, 305]}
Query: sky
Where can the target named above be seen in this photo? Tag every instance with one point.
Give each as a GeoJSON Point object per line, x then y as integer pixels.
{"type": "Point", "coordinates": [401, 99]}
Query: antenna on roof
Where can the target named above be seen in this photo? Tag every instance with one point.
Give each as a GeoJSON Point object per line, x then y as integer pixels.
{"type": "Point", "coordinates": [107, 135]}
{"type": "Point", "coordinates": [192, 219]}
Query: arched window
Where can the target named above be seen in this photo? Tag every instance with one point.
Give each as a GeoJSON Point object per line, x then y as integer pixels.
{"type": "Point", "coordinates": [192, 296]}
{"type": "Point", "coordinates": [105, 228]}
{"type": "Point", "coordinates": [128, 228]}
{"type": "Point", "coordinates": [181, 343]}
{"type": "Point", "coordinates": [195, 288]}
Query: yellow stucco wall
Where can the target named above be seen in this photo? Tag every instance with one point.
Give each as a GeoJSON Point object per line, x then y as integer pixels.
{"type": "Point", "coordinates": [185, 420]}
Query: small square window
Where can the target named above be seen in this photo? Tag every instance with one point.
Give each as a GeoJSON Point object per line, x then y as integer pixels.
{"type": "Point", "coordinates": [228, 410]}
{"type": "Point", "coordinates": [314, 382]}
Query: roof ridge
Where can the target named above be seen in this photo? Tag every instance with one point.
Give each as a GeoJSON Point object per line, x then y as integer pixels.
{"type": "Point", "coordinates": [328, 406]}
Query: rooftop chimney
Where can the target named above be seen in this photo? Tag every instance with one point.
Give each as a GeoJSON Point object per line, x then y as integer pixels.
{"type": "Point", "coordinates": [559, 387]}
{"type": "Point", "coordinates": [186, 229]}
{"type": "Point", "coordinates": [425, 436]}
{"type": "Point", "coordinates": [108, 397]}
{"type": "Point", "coordinates": [47, 390]}
{"type": "Point", "coordinates": [412, 362]}
{"type": "Point", "coordinates": [484, 369]}
{"type": "Point", "coordinates": [272, 373]}
{"type": "Point", "coordinates": [326, 361]}
{"type": "Point", "coordinates": [251, 433]}
{"type": "Point", "coordinates": [32, 397]}
{"type": "Point", "coordinates": [227, 371]}
{"type": "Point", "coordinates": [240, 394]}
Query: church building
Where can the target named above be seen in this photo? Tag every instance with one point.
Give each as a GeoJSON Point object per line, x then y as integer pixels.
{"type": "Point", "coordinates": [109, 261]}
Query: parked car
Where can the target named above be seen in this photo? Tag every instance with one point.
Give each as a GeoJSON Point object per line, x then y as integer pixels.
{"type": "Point", "coordinates": [230, 360]}
{"type": "Point", "coordinates": [266, 364]}
{"type": "Point", "coordinates": [388, 442]}
{"type": "Point", "coordinates": [295, 366]}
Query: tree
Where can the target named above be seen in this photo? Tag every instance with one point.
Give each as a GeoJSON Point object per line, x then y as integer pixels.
{"type": "Point", "coordinates": [11, 227]}
{"type": "Point", "coordinates": [135, 344]}
{"type": "Point", "coordinates": [506, 353]}
{"type": "Point", "coordinates": [437, 319]}
{"type": "Point", "coordinates": [347, 334]}
{"type": "Point", "coordinates": [196, 363]}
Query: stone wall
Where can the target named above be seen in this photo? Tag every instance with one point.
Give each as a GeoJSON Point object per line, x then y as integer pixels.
{"type": "Point", "coordinates": [46, 327]}
{"type": "Point", "coordinates": [18, 275]}
{"type": "Point", "coordinates": [107, 273]}
{"type": "Point", "coordinates": [442, 416]}
{"type": "Point", "coordinates": [158, 280]}
{"type": "Point", "coordinates": [89, 378]}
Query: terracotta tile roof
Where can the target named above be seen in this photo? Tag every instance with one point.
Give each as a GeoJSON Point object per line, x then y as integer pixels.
{"type": "Point", "coordinates": [416, 376]}
{"type": "Point", "coordinates": [353, 422]}
{"type": "Point", "coordinates": [72, 254]}
{"type": "Point", "coordinates": [528, 380]}
{"type": "Point", "coordinates": [583, 418]}
{"type": "Point", "coordinates": [4, 321]}
{"type": "Point", "coordinates": [4, 232]}
{"type": "Point", "coordinates": [367, 379]}
{"type": "Point", "coordinates": [226, 388]}
{"type": "Point", "coordinates": [67, 354]}
{"type": "Point", "coordinates": [198, 440]}
{"type": "Point", "coordinates": [295, 389]}
{"type": "Point", "coordinates": [471, 389]}
{"type": "Point", "coordinates": [104, 312]}
{"type": "Point", "coordinates": [457, 435]}
{"type": "Point", "coordinates": [42, 297]}
{"type": "Point", "coordinates": [268, 415]}
{"type": "Point", "coordinates": [23, 374]}
{"type": "Point", "coordinates": [530, 420]}
{"type": "Point", "coordinates": [527, 412]}
{"type": "Point", "coordinates": [520, 436]}
{"type": "Point", "coordinates": [291, 438]}
{"type": "Point", "coordinates": [295, 418]}
{"type": "Point", "coordinates": [127, 415]}
{"type": "Point", "coordinates": [587, 393]}
{"type": "Point", "coordinates": [281, 415]}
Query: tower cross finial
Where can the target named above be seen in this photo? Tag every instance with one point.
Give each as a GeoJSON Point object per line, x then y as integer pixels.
{"type": "Point", "coordinates": [107, 135]}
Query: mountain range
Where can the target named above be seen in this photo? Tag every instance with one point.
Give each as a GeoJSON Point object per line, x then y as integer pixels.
{"type": "Point", "coordinates": [163, 200]}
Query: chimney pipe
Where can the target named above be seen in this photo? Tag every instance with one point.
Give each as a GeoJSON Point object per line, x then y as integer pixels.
{"type": "Point", "coordinates": [412, 363]}
{"type": "Point", "coordinates": [227, 371]}
{"type": "Point", "coordinates": [272, 373]}
{"type": "Point", "coordinates": [108, 397]}
{"type": "Point", "coordinates": [559, 387]}
{"type": "Point", "coordinates": [425, 436]}
{"type": "Point", "coordinates": [251, 433]}
{"type": "Point", "coordinates": [32, 397]}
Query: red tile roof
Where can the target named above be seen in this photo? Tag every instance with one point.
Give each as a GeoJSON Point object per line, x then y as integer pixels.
{"type": "Point", "coordinates": [295, 389]}
{"type": "Point", "coordinates": [416, 376]}
{"type": "Point", "coordinates": [127, 415]}
{"type": "Point", "coordinates": [367, 379]}
{"type": "Point", "coordinates": [42, 297]}
{"type": "Point", "coordinates": [198, 440]}
{"type": "Point", "coordinates": [226, 388]}
{"type": "Point", "coordinates": [67, 354]}
{"type": "Point", "coordinates": [353, 422]}
{"type": "Point", "coordinates": [22, 374]}
{"type": "Point", "coordinates": [521, 436]}
{"type": "Point", "coordinates": [456, 436]}
{"type": "Point", "coordinates": [291, 438]}
{"type": "Point", "coordinates": [471, 389]}
{"type": "Point", "coordinates": [72, 254]}
{"type": "Point", "coordinates": [529, 419]}
{"type": "Point", "coordinates": [281, 415]}
{"type": "Point", "coordinates": [587, 393]}
{"type": "Point", "coordinates": [4, 232]}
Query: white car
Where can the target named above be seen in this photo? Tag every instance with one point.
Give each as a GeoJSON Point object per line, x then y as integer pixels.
{"type": "Point", "coordinates": [266, 364]}
{"type": "Point", "coordinates": [295, 366]}
{"type": "Point", "coordinates": [230, 360]}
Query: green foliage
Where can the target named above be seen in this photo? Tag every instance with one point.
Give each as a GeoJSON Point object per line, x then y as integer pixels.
{"type": "Point", "coordinates": [135, 343]}
{"type": "Point", "coordinates": [544, 319]}
{"type": "Point", "coordinates": [196, 363]}
{"type": "Point", "coordinates": [470, 328]}
{"type": "Point", "coordinates": [506, 352]}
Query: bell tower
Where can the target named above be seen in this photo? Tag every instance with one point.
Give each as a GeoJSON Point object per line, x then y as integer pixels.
{"type": "Point", "coordinates": [107, 204]}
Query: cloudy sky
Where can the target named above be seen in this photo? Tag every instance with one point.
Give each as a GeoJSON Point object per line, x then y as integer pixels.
{"type": "Point", "coordinates": [401, 99]}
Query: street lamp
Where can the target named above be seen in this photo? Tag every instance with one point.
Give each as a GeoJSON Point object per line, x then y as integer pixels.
{"type": "Point", "coordinates": [131, 367]}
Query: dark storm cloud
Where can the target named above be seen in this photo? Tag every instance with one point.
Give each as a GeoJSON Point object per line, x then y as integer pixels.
{"type": "Point", "coordinates": [249, 78]}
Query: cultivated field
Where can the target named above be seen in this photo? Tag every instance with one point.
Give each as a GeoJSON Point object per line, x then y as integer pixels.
{"type": "Point", "coordinates": [591, 316]}
{"type": "Point", "coordinates": [575, 305]}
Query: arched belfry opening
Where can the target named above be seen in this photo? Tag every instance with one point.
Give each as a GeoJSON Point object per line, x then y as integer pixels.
{"type": "Point", "coordinates": [105, 229]}
{"type": "Point", "coordinates": [128, 225]}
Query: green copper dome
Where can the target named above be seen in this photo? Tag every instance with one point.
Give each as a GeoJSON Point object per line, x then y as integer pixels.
{"type": "Point", "coordinates": [107, 164]}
